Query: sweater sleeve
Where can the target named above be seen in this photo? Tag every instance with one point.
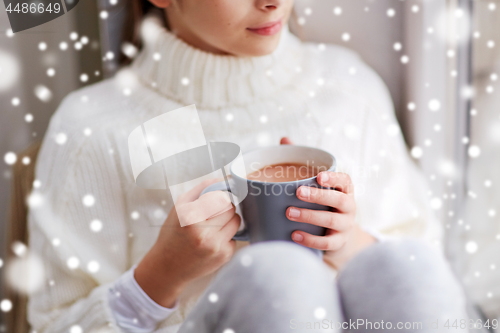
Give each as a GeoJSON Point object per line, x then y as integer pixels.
{"type": "Point", "coordinates": [77, 227]}
{"type": "Point", "coordinates": [392, 194]}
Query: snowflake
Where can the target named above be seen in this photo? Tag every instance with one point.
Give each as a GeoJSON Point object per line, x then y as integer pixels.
{"type": "Point", "coordinates": [75, 329]}
{"type": "Point", "coordinates": [43, 93]}
{"type": "Point", "coordinates": [88, 200]}
{"type": "Point", "coordinates": [93, 266]}
{"type": "Point", "coordinates": [96, 225]}
{"type": "Point", "coordinates": [10, 158]}
{"type": "Point", "coordinates": [474, 151]}
{"type": "Point", "coordinates": [436, 203]}
{"type": "Point", "coordinates": [434, 105]}
{"type": "Point", "coordinates": [73, 263]}
{"type": "Point", "coordinates": [459, 12]}
{"type": "Point", "coordinates": [19, 248]}
{"type": "Point", "coordinates": [471, 247]}
{"type": "Point", "coordinates": [246, 260]}
{"type": "Point", "coordinates": [213, 297]}
{"type": "Point", "coordinates": [35, 200]}
{"type": "Point", "coordinates": [42, 46]}
{"type": "Point", "coordinates": [61, 138]}
{"type": "Point", "coordinates": [417, 152]}
{"type": "Point", "coordinates": [319, 313]}
{"type": "Point", "coordinates": [393, 130]}
{"type": "Point", "coordinates": [5, 305]}
{"type": "Point", "coordinates": [129, 50]}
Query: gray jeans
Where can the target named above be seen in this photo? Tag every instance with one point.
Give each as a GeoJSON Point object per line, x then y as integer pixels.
{"type": "Point", "coordinates": [275, 287]}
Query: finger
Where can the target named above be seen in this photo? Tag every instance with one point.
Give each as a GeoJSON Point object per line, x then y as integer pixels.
{"type": "Point", "coordinates": [232, 249]}
{"type": "Point", "coordinates": [230, 207]}
{"type": "Point", "coordinates": [321, 218]}
{"type": "Point", "coordinates": [338, 180]}
{"type": "Point", "coordinates": [285, 141]}
{"type": "Point", "coordinates": [217, 222]}
{"type": "Point", "coordinates": [330, 242]}
{"type": "Point", "coordinates": [206, 206]}
{"type": "Point", "coordinates": [195, 192]}
{"type": "Point", "coordinates": [332, 198]}
{"type": "Point", "coordinates": [231, 227]}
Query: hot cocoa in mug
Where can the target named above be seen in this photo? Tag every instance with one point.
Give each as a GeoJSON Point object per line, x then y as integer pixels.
{"type": "Point", "coordinates": [266, 181]}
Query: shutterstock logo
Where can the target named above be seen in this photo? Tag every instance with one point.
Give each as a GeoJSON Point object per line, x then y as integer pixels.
{"type": "Point", "coordinates": [171, 151]}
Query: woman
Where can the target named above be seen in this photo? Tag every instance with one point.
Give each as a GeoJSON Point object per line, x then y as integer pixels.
{"type": "Point", "coordinates": [111, 266]}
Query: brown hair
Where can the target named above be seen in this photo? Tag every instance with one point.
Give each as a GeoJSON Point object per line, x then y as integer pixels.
{"type": "Point", "coordinates": [136, 10]}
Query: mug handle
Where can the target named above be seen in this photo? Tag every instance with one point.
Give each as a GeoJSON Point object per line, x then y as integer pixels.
{"type": "Point", "coordinates": [222, 186]}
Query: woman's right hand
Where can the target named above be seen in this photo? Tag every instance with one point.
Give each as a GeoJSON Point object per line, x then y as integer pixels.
{"type": "Point", "coordinates": [182, 254]}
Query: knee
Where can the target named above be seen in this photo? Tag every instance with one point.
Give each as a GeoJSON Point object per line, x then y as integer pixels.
{"type": "Point", "coordinates": [406, 261]}
{"type": "Point", "coordinates": [277, 251]}
{"type": "Point", "coordinates": [276, 258]}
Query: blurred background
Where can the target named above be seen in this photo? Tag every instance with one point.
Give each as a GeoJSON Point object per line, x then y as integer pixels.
{"type": "Point", "coordinates": [439, 58]}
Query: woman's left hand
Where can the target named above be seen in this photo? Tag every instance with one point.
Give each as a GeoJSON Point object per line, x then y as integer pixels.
{"type": "Point", "coordinates": [343, 238]}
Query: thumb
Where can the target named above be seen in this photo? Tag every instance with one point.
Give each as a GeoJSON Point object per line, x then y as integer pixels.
{"type": "Point", "coordinates": [285, 141]}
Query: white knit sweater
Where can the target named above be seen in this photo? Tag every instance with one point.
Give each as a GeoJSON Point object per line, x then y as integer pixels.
{"type": "Point", "coordinates": [317, 95]}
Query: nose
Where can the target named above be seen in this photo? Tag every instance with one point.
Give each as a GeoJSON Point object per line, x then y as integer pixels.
{"type": "Point", "coordinates": [269, 5]}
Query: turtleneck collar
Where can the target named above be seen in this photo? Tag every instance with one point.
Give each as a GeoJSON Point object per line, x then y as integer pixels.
{"type": "Point", "coordinates": [189, 75]}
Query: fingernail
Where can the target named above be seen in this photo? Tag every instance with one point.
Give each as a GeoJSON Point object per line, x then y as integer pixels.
{"type": "Point", "coordinates": [305, 191]}
{"type": "Point", "coordinates": [297, 237]}
{"type": "Point", "coordinates": [294, 212]}
{"type": "Point", "coordinates": [323, 177]}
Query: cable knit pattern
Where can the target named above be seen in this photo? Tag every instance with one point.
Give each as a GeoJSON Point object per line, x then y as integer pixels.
{"type": "Point", "coordinates": [318, 95]}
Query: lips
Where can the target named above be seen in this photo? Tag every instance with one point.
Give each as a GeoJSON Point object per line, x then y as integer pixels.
{"type": "Point", "coordinates": [266, 29]}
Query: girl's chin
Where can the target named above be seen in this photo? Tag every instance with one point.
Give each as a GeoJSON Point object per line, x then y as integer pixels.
{"type": "Point", "coordinates": [256, 47]}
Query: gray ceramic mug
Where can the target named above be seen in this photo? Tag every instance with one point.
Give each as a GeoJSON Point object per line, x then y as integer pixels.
{"type": "Point", "coordinates": [263, 208]}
